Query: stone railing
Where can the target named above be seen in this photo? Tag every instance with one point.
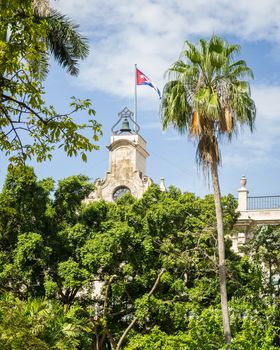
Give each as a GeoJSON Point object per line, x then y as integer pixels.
{"type": "Point", "coordinates": [246, 203]}
{"type": "Point", "coordinates": [263, 202]}
{"type": "Point", "coordinates": [262, 209]}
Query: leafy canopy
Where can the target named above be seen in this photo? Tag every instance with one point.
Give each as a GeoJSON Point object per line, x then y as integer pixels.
{"type": "Point", "coordinates": [28, 127]}
{"type": "Point", "coordinates": [95, 266]}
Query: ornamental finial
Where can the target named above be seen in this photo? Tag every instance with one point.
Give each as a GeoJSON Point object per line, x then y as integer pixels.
{"type": "Point", "coordinates": [125, 116]}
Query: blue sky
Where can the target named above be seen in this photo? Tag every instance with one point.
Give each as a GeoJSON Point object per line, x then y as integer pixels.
{"type": "Point", "coordinates": [151, 33]}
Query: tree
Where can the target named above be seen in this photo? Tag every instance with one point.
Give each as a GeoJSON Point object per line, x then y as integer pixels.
{"type": "Point", "coordinates": [28, 127]}
{"type": "Point", "coordinates": [38, 232]}
{"type": "Point", "coordinates": [207, 98]}
{"type": "Point", "coordinates": [264, 250]}
{"type": "Point", "coordinates": [24, 222]}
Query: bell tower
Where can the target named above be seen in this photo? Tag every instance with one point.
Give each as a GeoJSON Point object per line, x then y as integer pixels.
{"type": "Point", "coordinates": [127, 162]}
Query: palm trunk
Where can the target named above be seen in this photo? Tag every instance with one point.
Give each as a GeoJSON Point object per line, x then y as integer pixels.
{"type": "Point", "coordinates": [41, 7]}
{"type": "Point", "coordinates": [221, 253]}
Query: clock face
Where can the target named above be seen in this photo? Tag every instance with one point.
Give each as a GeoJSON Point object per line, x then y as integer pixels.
{"type": "Point", "coordinates": [120, 191]}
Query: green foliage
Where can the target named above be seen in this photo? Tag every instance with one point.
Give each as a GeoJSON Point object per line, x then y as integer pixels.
{"type": "Point", "coordinates": [34, 235]}
{"type": "Point", "coordinates": [255, 326]}
{"type": "Point", "coordinates": [72, 274]}
{"type": "Point", "coordinates": [96, 264]}
{"type": "Point", "coordinates": [252, 329]}
{"type": "Point", "coordinates": [158, 340]}
{"type": "Point", "coordinates": [28, 127]}
{"type": "Point", "coordinates": [264, 250]}
{"type": "Point", "coordinates": [69, 195]}
{"type": "Point", "coordinates": [40, 324]}
{"type": "Point", "coordinates": [23, 203]}
{"type": "Point", "coordinates": [204, 331]}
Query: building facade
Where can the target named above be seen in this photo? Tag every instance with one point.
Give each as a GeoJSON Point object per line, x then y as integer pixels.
{"type": "Point", "coordinates": [254, 211]}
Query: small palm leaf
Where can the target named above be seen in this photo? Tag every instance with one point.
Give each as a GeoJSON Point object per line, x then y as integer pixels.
{"type": "Point", "coordinates": [217, 60]}
{"type": "Point", "coordinates": [216, 44]}
{"type": "Point", "coordinates": [213, 106]}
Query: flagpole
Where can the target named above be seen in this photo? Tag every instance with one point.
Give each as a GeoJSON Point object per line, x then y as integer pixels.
{"type": "Point", "coordinates": [135, 96]}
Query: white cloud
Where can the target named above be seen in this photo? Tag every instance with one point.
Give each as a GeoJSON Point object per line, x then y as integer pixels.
{"type": "Point", "coordinates": [151, 33]}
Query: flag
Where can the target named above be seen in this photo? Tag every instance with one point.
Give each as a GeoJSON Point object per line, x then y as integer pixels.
{"type": "Point", "coordinates": [142, 79]}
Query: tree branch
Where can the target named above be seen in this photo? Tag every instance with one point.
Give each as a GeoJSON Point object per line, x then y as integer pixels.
{"type": "Point", "coordinates": [22, 104]}
{"type": "Point", "coordinates": [130, 326]}
{"type": "Point", "coordinates": [106, 296]}
{"type": "Point", "coordinates": [17, 135]}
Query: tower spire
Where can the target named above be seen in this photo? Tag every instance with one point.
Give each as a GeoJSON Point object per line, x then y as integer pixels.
{"type": "Point", "coordinates": [122, 125]}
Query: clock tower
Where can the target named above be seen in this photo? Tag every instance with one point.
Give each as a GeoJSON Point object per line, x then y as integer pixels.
{"type": "Point", "coordinates": [127, 162]}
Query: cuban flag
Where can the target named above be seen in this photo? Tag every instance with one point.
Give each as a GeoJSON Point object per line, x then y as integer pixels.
{"type": "Point", "coordinates": [142, 79]}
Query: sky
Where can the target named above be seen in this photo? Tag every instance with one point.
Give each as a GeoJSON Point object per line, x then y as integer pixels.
{"type": "Point", "coordinates": [151, 34]}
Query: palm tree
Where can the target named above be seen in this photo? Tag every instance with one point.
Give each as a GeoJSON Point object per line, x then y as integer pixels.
{"type": "Point", "coordinates": [63, 40]}
{"type": "Point", "coordinates": [207, 98]}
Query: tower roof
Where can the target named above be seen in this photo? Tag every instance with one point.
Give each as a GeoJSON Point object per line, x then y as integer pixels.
{"type": "Point", "coordinates": [123, 124]}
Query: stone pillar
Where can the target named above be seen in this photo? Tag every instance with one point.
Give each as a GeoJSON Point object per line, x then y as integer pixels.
{"type": "Point", "coordinates": [162, 185]}
{"type": "Point", "coordinates": [242, 195]}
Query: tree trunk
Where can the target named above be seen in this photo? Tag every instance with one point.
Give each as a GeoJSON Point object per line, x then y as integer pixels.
{"type": "Point", "coordinates": [221, 253]}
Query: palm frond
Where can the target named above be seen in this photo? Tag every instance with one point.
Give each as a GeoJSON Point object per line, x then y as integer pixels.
{"type": "Point", "coordinates": [192, 53]}
{"type": "Point", "coordinates": [216, 44]}
{"type": "Point", "coordinates": [65, 43]}
{"type": "Point", "coordinates": [217, 60]}
{"type": "Point", "coordinates": [176, 70]}
{"type": "Point", "coordinates": [175, 109]}
{"type": "Point", "coordinates": [204, 48]}
{"type": "Point", "coordinates": [40, 67]}
{"type": "Point", "coordinates": [237, 63]}
{"type": "Point", "coordinates": [213, 106]}
{"type": "Point", "coordinates": [231, 50]}
{"type": "Point", "coordinates": [241, 72]}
